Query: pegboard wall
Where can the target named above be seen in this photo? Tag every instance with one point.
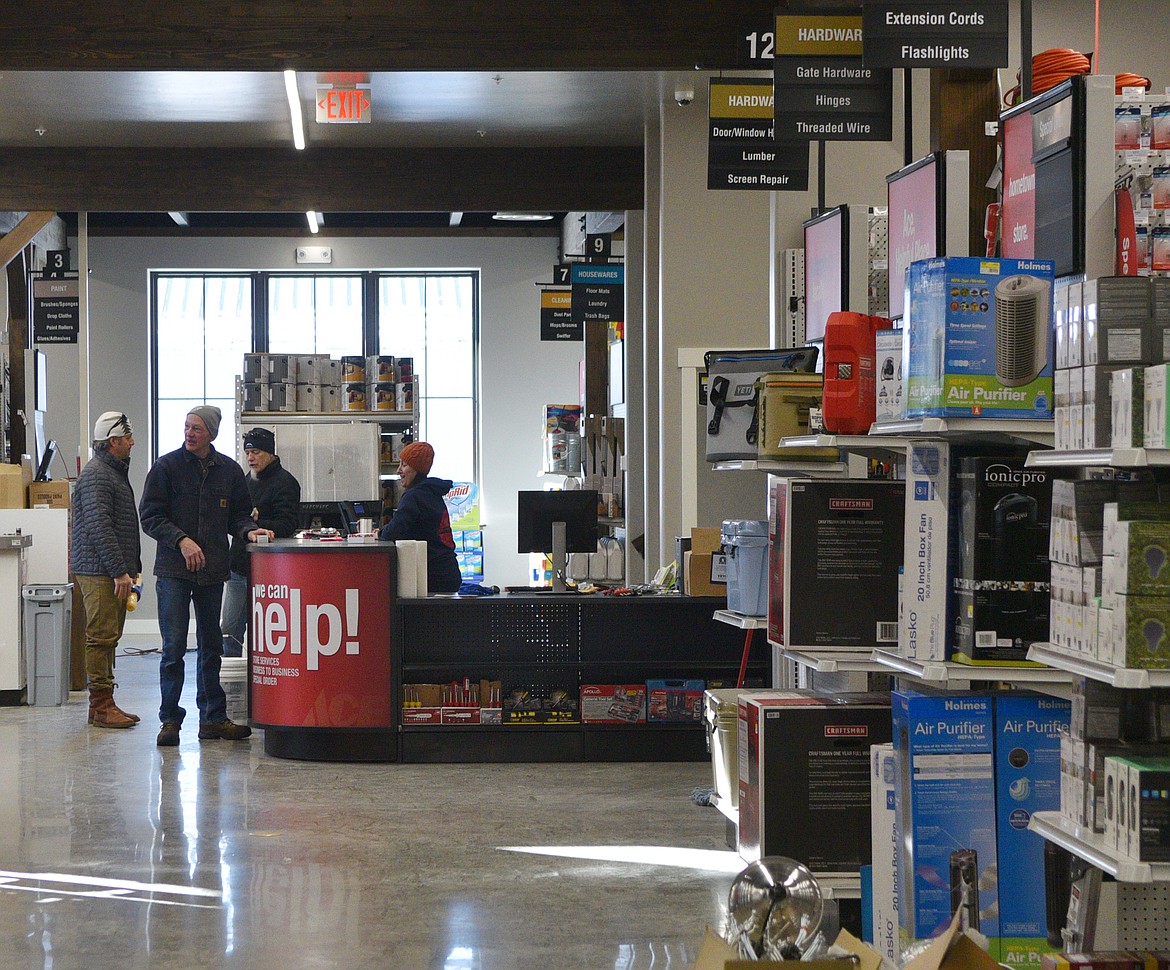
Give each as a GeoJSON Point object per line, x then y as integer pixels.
{"type": "Point", "coordinates": [1133, 917]}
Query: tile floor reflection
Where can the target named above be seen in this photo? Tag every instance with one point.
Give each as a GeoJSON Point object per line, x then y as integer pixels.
{"type": "Point", "coordinates": [116, 853]}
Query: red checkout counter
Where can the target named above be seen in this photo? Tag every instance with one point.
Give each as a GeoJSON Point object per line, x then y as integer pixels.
{"type": "Point", "coordinates": [322, 679]}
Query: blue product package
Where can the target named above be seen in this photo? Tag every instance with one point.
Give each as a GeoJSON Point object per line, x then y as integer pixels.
{"type": "Point", "coordinates": [1027, 780]}
{"type": "Point", "coordinates": [945, 809]}
{"type": "Point", "coordinates": [980, 338]}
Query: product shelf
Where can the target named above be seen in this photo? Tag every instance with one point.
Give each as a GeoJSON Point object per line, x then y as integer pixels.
{"type": "Point", "coordinates": [741, 620]}
{"type": "Point", "coordinates": [1090, 846]}
{"type": "Point", "coordinates": [830, 662]}
{"type": "Point", "coordinates": [848, 442]}
{"type": "Point", "coordinates": [807, 469]}
{"type": "Point", "coordinates": [1112, 457]}
{"type": "Point", "coordinates": [1126, 678]}
{"type": "Point", "coordinates": [1039, 431]}
{"type": "Point", "coordinates": [944, 672]}
{"type": "Point", "coordinates": [326, 417]}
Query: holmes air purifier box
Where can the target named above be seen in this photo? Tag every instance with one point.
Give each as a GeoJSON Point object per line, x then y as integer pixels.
{"type": "Point", "coordinates": [980, 336]}
{"type": "Point", "coordinates": [890, 403]}
{"type": "Point", "coordinates": [925, 628]}
{"type": "Point", "coordinates": [804, 776]}
{"type": "Point", "coordinates": [839, 537]}
{"type": "Point", "coordinates": [674, 700]}
{"type": "Point", "coordinates": [1028, 729]}
{"type": "Point", "coordinates": [946, 812]}
{"type": "Point", "coordinates": [613, 703]}
{"type": "Point", "coordinates": [1001, 584]}
{"type": "Point", "coordinates": [883, 787]}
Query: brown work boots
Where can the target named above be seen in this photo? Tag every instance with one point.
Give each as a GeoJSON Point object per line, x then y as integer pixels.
{"type": "Point", "coordinates": [103, 712]}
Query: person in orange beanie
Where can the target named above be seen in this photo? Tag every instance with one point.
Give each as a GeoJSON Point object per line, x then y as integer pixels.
{"type": "Point", "coordinates": [422, 514]}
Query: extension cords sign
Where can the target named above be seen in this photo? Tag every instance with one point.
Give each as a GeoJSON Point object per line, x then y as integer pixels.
{"type": "Point", "coordinates": [320, 639]}
{"type": "Point", "coordinates": [935, 33]}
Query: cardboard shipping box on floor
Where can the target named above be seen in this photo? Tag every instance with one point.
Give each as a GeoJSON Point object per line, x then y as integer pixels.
{"type": "Point", "coordinates": [12, 487]}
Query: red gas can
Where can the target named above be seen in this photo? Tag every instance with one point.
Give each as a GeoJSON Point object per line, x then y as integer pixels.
{"type": "Point", "coordinates": [849, 404]}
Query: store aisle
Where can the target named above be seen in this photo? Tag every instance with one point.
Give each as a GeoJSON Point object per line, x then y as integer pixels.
{"type": "Point", "coordinates": [116, 853]}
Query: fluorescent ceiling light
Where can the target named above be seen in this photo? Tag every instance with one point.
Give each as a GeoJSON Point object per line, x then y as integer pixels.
{"type": "Point", "coordinates": [454, 218]}
{"type": "Point", "coordinates": [523, 216]}
{"type": "Point", "coordinates": [314, 225]}
{"type": "Point", "coordinates": [294, 109]}
{"type": "Point", "coordinates": [180, 218]}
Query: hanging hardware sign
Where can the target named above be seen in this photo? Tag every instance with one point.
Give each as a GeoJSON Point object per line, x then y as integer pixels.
{"type": "Point", "coordinates": [741, 149]}
{"type": "Point", "coordinates": [929, 33]}
{"type": "Point", "coordinates": [823, 90]}
{"type": "Point", "coordinates": [556, 316]}
{"type": "Point", "coordinates": [56, 311]}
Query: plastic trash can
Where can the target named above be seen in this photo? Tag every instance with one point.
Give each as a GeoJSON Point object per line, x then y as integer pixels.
{"type": "Point", "coordinates": [746, 542]}
{"type": "Point", "coordinates": [48, 621]}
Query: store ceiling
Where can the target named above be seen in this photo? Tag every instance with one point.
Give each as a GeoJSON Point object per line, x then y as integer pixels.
{"type": "Point", "coordinates": [149, 110]}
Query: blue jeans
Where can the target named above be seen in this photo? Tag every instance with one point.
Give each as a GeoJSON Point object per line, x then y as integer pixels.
{"type": "Point", "coordinates": [175, 597]}
{"type": "Point", "coordinates": [234, 621]}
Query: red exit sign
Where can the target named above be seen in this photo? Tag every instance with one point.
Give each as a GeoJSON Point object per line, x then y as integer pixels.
{"type": "Point", "coordinates": [343, 106]}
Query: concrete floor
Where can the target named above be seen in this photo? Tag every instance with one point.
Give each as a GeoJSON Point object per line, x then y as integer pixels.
{"type": "Point", "coordinates": [116, 853]}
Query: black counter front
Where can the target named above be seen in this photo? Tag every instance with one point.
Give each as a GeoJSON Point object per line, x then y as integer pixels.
{"type": "Point", "coordinates": [543, 643]}
{"type": "Point", "coordinates": [323, 675]}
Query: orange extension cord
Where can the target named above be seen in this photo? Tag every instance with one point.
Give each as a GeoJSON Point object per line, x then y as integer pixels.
{"type": "Point", "coordinates": [1058, 64]}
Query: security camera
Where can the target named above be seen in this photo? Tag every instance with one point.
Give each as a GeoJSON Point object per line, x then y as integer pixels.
{"type": "Point", "coordinates": [684, 95]}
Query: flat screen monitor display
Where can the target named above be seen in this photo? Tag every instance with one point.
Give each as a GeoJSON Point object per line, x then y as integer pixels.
{"type": "Point", "coordinates": [1043, 183]}
{"type": "Point", "coordinates": [826, 244]}
{"type": "Point", "coordinates": [915, 202]}
{"type": "Point", "coordinates": [44, 469]}
{"type": "Point", "coordinates": [537, 511]}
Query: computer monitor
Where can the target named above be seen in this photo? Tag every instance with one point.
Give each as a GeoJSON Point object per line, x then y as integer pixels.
{"type": "Point", "coordinates": [322, 515]}
{"type": "Point", "coordinates": [353, 512]}
{"type": "Point", "coordinates": [44, 469]}
{"type": "Point", "coordinates": [557, 523]}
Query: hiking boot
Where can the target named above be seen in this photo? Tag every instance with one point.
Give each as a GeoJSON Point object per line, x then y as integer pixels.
{"type": "Point", "coordinates": [103, 713]}
{"type": "Point", "coordinates": [224, 730]}
{"type": "Point", "coordinates": [168, 737]}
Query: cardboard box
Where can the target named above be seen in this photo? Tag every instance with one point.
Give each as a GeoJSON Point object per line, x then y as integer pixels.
{"type": "Point", "coordinates": [613, 703]}
{"type": "Point", "coordinates": [836, 536]}
{"type": "Point", "coordinates": [891, 402]}
{"type": "Point", "coordinates": [1127, 411]}
{"type": "Point", "coordinates": [706, 575]}
{"type": "Point", "coordinates": [1149, 815]}
{"type": "Point", "coordinates": [1001, 581]}
{"type": "Point", "coordinates": [804, 776]}
{"type": "Point", "coordinates": [980, 338]}
{"type": "Point", "coordinates": [12, 487]}
{"type": "Point", "coordinates": [925, 620]}
{"type": "Point", "coordinates": [883, 787]}
{"type": "Point", "coordinates": [674, 700]}
{"type": "Point", "coordinates": [1028, 729]}
{"type": "Point", "coordinates": [1141, 632]}
{"type": "Point", "coordinates": [55, 494]}
{"type": "Point", "coordinates": [706, 541]}
{"type": "Point", "coordinates": [946, 811]}
{"type": "Point", "coordinates": [1156, 424]}
{"type": "Point", "coordinates": [1139, 552]}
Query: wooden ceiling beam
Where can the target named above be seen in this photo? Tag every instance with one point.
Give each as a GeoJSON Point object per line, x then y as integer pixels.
{"type": "Point", "coordinates": [22, 234]}
{"type": "Point", "coordinates": [341, 180]}
{"type": "Point", "coordinates": [373, 35]}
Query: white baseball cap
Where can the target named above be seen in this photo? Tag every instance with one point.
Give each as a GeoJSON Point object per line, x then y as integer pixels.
{"type": "Point", "coordinates": [111, 424]}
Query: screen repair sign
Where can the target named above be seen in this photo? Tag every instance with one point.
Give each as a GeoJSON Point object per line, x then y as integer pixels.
{"type": "Point", "coordinates": [320, 639]}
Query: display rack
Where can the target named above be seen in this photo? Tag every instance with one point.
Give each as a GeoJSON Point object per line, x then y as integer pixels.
{"type": "Point", "coordinates": [949, 672]}
{"type": "Point", "coordinates": [830, 662]}
{"type": "Point", "coordinates": [328, 417]}
{"type": "Point", "coordinates": [741, 620]}
{"type": "Point", "coordinates": [1090, 846]}
{"type": "Point", "coordinates": [1100, 457]}
{"type": "Point", "coordinates": [1039, 431]}
{"type": "Point", "coordinates": [805, 469]}
{"type": "Point", "coordinates": [858, 443]}
{"type": "Point", "coordinates": [1126, 678]}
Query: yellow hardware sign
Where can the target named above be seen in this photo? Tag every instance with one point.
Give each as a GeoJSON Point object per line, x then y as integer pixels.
{"type": "Point", "coordinates": [741, 100]}
{"type": "Point", "coordinates": [817, 35]}
{"type": "Point", "coordinates": [556, 299]}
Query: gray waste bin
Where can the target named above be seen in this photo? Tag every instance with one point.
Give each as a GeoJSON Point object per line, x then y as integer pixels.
{"type": "Point", "coordinates": [48, 621]}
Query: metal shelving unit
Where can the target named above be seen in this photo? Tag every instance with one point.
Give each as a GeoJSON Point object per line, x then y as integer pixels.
{"type": "Point", "coordinates": [986, 430]}
{"type": "Point", "coordinates": [1111, 457]}
{"type": "Point", "coordinates": [939, 672]}
{"type": "Point", "coordinates": [1090, 846]}
{"type": "Point", "coordinates": [832, 662]}
{"type": "Point", "coordinates": [1127, 678]}
{"type": "Point", "coordinates": [859, 443]}
{"type": "Point", "coordinates": [808, 469]}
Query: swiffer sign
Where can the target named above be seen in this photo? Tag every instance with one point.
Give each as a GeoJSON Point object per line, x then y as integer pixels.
{"type": "Point", "coordinates": [823, 90]}
{"type": "Point", "coordinates": [927, 33]}
{"type": "Point", "coordinates": [556, 316]}
{"type": "Point", "coordinates": [741, 150]}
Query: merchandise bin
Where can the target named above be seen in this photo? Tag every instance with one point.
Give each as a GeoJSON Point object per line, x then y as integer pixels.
{"type": "Point", "coordinates": [48, 620]}
{"type": "Point", "coordinates": [721, 719]}
{"type": "Point", "coordinates": [746, 541]}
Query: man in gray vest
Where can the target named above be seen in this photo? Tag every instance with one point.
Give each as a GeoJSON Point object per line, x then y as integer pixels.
{"type": "Point", "coordinates": [106, 556]}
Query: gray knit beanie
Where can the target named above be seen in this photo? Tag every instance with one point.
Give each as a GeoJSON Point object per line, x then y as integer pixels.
{"type": "Point", "coordinates": [210, 415]}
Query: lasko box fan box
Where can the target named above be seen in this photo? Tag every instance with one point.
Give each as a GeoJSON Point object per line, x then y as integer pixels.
{"type": "Point", "coordinates": [980, 338]}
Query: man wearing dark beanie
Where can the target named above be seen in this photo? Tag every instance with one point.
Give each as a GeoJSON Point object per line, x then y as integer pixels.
{"type": "Point", "coordinates": [276, 504]}
{"type": "Point", "coordinates": [193, 499]}
{"type": "Point", "coordinates": [422, 514]}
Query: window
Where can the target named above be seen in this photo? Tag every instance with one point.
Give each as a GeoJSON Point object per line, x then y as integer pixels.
{"type": "Point", "coordinates": [204, 324]}
{"type": "Point", "coordinates": [202, 329]}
